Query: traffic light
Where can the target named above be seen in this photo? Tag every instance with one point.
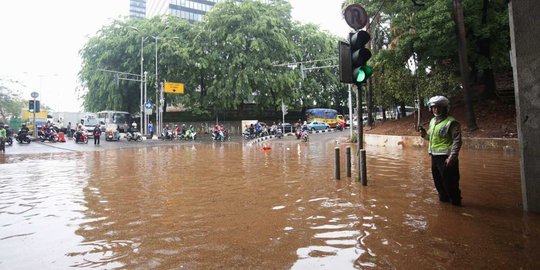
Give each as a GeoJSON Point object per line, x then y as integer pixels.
{"type": "Point", "coordinates": [33, 106]}
{"type": "Point", "coordinates": [359, 56]}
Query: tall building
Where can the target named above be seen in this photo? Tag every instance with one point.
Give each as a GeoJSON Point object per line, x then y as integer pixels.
{"type": "Point", "coordinates": [137, 8]}
{"type": "Point", "coordinates": [192, 10]}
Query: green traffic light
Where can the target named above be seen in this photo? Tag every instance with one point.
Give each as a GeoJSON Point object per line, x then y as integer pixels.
{"type": "Point", "coordinates": [363, 73]}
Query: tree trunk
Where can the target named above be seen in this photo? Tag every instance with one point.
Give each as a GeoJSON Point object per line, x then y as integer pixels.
{"type": "Point", "coordinates": [464, 64]}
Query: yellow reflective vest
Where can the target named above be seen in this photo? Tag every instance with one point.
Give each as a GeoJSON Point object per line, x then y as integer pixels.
{"type": "Point", "coordinates": [440, 140]}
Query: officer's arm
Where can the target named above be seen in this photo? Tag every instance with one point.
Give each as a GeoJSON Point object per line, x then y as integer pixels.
{"type": "Point", "coordinates": [455, 132]}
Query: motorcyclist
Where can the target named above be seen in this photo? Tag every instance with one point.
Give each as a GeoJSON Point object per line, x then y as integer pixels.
{"type": "Point", "coordinates": [305, 127]}
{"type": "Point", "coordinates": [166, 131]}
{"type": "Point", "coordinates": [184, 130]}
{"type": "Point", "coordinates": [23, 132]}
{"type": "Point", "coordinates": [177, 130]}
{"type": "Point", "coordinates": [191, 132]}
{"type": "Point", "coordinates": [78, 132]}
{"type": "Point", "coordinates": [273, 128]}
{"type": "Point", "coordinates": [133, 129]}
{"type": "Point", "coordinates": [9, 131]}
{"type": "Point", "coordinates": [3, 135]}
{"type": "Point", "coordinates": [258, 129]}
{"type": "Point", "coordinates": [218, 132]}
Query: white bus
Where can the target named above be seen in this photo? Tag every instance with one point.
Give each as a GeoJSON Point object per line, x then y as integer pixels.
{"type": "Point", "coordinates": [114, 119]}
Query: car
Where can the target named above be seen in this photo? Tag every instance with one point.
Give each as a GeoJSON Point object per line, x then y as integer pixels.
{"type": "Point", "coordinates": [315, 125]}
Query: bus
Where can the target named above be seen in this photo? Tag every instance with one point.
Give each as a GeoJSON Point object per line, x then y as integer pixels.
{"type": "Point", "coordinates": [329, 116]}
{"type": "Point", "coordinates": [110, 120]}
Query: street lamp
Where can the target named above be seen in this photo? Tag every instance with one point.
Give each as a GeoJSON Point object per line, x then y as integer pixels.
{"type": "Point", "coordinates": [159, 100]}
{"type": "Point", "coordinates": [142, 125]}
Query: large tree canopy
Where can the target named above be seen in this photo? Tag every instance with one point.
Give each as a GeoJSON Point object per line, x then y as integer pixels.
{"type": "Point", "coordinates": [231, 59]}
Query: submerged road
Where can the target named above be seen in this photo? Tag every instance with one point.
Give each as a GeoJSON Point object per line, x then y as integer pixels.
{"type": "Point", "coordinates": [233, 205]}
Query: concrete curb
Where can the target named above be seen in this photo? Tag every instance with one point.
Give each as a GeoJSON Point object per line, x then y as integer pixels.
{"type": "Point", "coordinates": [265, 138]}
{"type": "Point", "coordinates": [495, 144]}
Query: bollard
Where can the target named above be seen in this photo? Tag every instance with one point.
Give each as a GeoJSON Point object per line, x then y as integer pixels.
{"type": "Point", "coordinates": [364, 167]}
{"type": "Point", "coordinates": [348, 160]}
{"type": "Point", "coordinates": [337, 167]}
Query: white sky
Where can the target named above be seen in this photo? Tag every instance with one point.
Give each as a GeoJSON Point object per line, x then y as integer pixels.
{"type": "Point", "coordinates": [40, 40]}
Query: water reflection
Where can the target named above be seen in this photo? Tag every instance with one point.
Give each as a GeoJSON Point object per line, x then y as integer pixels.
{"type": "Point", "coordinates": [237, 206]}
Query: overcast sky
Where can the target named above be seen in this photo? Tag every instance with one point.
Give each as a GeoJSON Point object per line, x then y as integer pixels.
{"type": "Point", "coordinates": [40, 40]}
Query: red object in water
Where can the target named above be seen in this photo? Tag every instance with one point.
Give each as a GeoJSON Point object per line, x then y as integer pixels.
{"type": "Point", "coordinates": [266, 148]}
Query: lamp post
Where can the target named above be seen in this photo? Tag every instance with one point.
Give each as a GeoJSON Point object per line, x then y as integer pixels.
{"type": "Point", "coordinates": [159, 92]}
{"type": "Point", "coordinates": [142, 78]}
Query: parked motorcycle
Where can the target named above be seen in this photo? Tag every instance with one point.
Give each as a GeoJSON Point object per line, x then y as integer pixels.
{"type": "Point", "coordinates": [136, 136]}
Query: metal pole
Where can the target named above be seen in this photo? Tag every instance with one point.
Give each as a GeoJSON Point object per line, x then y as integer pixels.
{"type": "Point", "coordinates": [141, 127]}
{"type": "Point", "coordinates": [350, 113]}
{"type": "Point", "coordinates": [145, 132]}
{"type": "Point", "coordinates": [161, 105]}
{"type": "Point", "coordinates": [337, 168]}
{"type": "Point", "coordinates": [157, 86]}
{"type": "Point", "coordinates": [34, 111]}
{"type": "Point", "coordinates": [348, 160]}
{"type": "Point", "coordinates": [363, 171]}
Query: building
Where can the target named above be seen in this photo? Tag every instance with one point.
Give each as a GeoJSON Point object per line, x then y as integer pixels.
{"type": "Point", "coordinates": [137, 8]}
{"type": "Point", "coordinates": [191, 10]}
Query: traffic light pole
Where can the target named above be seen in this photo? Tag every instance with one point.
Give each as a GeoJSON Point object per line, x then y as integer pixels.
{"type": "Point", "coordinates": [361, 152]}
{"type": "Point", "coordinates": [34, 112]}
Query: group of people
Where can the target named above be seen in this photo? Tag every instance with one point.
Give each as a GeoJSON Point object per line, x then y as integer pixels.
{"type": "Point", "coordinates": [178, 132]}
{"type": "Point", "coordinates": [80, 130]}
{"type": "Point", "coordinates": [260, 129]}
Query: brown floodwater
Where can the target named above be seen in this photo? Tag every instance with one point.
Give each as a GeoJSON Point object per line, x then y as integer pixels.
{"type": "Point", "coordinates": [235, 206]}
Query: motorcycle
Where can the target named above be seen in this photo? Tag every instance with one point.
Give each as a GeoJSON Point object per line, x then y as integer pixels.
{"type": "Point", "coordinates": [167, 135]}
{"type": "Point", "coordinates": [23, 137]}
{"type": "Point", "coordinates": [298, 133]}
{"type": "Point", "coordinates": [9, 141]}
{"type": "Point", "coordinates": [136, 136]}
{"type": "Point", "coordinates": [112, 136]}
{"type": "Point", "coordinates": [82, 138]}
{"type": "Point", "coordinates": [191, 135]}
{"type": "Point", "coordinates": [246, 135]}
{"type": "Point", "coordinates": [279, 133]}
{"type": "Point", "coordinates": [305, 136]}
{"type": "Point", "coordinates": [50, 135]}
{"type": "Point", "coordinates": [219, 136]}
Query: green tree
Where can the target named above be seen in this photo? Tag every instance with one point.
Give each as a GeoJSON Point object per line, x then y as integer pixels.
{"type": "Point", "coordinates": [429, 33]}
{"type": "Point", "coordinates": [11, 103]}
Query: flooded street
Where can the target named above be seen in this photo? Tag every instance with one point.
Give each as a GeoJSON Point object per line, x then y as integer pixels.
{"type": "Point", "coordinates": [234, 206]}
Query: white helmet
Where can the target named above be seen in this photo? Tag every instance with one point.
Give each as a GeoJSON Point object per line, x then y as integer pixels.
{"type": "Point", "coordinates": [439, 101]}
{"type": "Point", "coordinates": [134, 125]}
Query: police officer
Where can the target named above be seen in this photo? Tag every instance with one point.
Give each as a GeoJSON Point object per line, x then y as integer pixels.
{"type": "Point", "coordinates": [444, 138]}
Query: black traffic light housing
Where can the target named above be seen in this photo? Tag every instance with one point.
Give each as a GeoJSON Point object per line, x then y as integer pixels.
{"type": "Point", "coordinates": [33, 105]}
{"type": "Point", "coordinates": [359, 56]}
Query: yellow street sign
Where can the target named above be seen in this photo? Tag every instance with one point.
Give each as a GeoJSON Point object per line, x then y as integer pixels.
{"type": "Point", "coordinates": [174, 88]}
